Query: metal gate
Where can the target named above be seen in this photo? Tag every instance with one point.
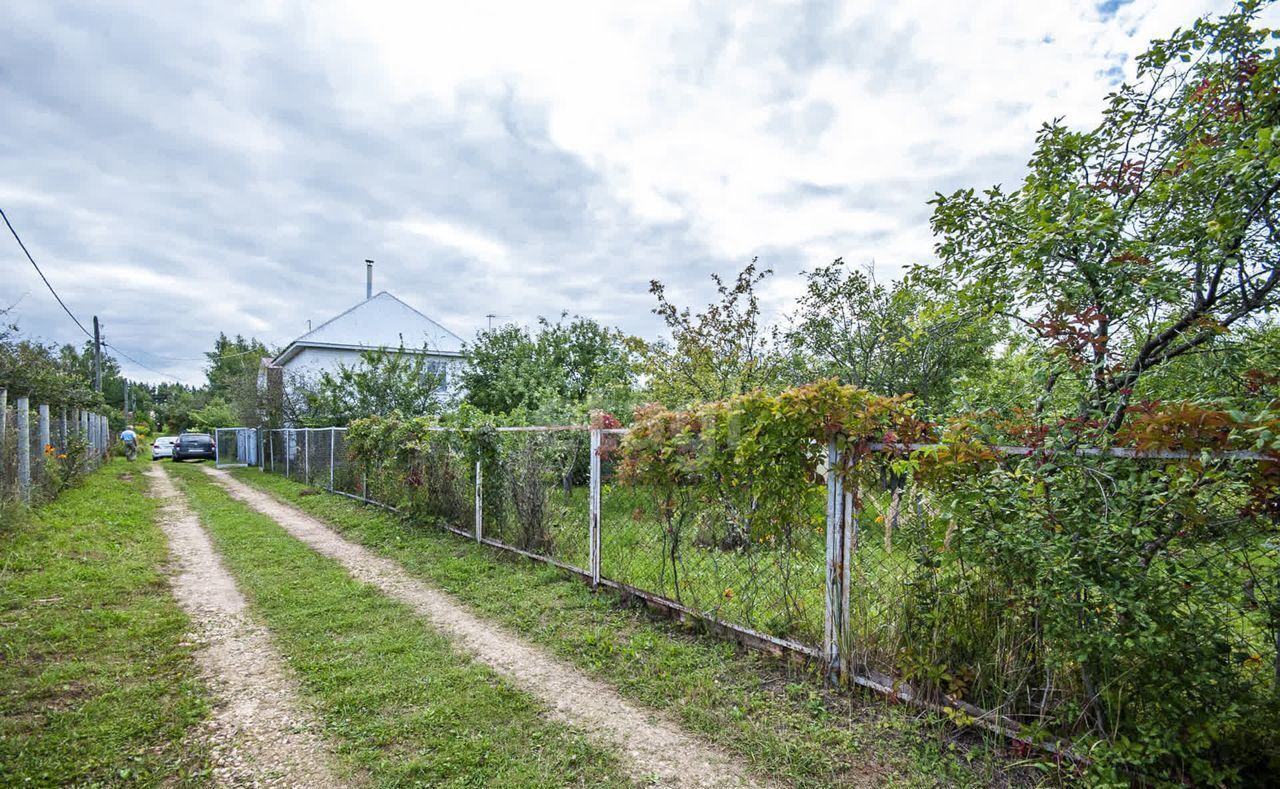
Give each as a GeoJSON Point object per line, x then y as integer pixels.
{"type": "Point", "coordinates": [235, 447]}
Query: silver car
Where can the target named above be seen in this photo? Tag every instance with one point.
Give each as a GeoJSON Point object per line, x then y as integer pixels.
{"type": "Point", "coordinates": [162, 447]}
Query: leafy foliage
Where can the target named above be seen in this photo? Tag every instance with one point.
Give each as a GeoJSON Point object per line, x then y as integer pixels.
{"type": "Point", "coordinates": [44, 373]}
{"type": "Point", "coordinates": [722, 351]}
{"type": "Point", "coordinates": [1106, 599]}
{"type": "Point", "coordinates": [908, 337]}
{"type": "Point", "coordinates": [561, 367]}
{"type": "Point", "coordinates": [1145, 239]}
{"type": "Point", "coordinates": [233, 378]}
{"type": "Point", "coordinates": [383, 382]}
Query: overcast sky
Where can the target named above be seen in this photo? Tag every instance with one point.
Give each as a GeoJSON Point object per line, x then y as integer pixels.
{"type": "Point", "coordinates": [181, 169]}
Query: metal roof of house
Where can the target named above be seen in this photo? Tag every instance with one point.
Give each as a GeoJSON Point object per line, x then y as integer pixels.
{"type": "Point", "coordinates": [383, 321]}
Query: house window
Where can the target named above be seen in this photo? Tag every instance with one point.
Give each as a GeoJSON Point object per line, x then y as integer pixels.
{"type": "Point", "coordinates": [437, 372]}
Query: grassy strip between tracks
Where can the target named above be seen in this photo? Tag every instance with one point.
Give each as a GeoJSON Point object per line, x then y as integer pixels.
{"type": "Point", "coordinates": [774, 716]}
{"type": "Point", "coordinates": [400, 703]}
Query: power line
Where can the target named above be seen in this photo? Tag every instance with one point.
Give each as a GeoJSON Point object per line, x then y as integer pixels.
{"type": "Point", "coordinates": [62, 304]}
{"type": "Point", "coordinates": [71, 315]}
{"type": "Point", "coordinates": [205, 357]}
{"type": "Point", "coordinates": [140, 364]}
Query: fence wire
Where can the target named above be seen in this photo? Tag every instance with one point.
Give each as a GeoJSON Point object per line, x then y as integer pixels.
{"type": "Point", "coordinates": [1151, 598]}
{"type": "Point", "coordinates": [721, 557]}
{"type": "Point", "coordinates": [975, 589]}
{"type": "Point", "coordinates": [535, 497]}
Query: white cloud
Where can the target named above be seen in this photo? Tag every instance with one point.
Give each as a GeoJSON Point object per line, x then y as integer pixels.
{"type": "Point", "coordinates": [696, 115]}
{"type": "Point", "coordinates": [467, 241]}
{"type": "Point", "coordinates": [517, 158]}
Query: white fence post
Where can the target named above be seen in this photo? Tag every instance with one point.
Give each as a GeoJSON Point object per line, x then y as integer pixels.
{"type": "Point", "coordinates": [22, 424]}
{"type": "Point", "coordinates": [4, 415]}
{"type": "Point", "coordinates": [306, 456]}
{"type": "Point", "coordinates": [479, 502]}
{"type": "Point", "coordinates": [288, 446]}
{"type": "Point", "coordinates": [836, 624]}
{"type": "Point", "coordinates": [332, 436]}
{"type": "Point", "coordinates": [43, 429]}
{"type": "Point", "coordinates": [594, 534]}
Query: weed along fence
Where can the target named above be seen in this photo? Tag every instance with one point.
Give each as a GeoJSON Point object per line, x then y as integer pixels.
{"type": "Point", "coordinates": [43, 446]}
{"type": "Point", "coordinates": [1059, 594]}
{"type": "Point", "coordinates": [551, 493]}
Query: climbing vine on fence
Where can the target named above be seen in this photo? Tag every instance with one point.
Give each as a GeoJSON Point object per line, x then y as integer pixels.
{"type": "Point", "coordinates": [1129, 601]}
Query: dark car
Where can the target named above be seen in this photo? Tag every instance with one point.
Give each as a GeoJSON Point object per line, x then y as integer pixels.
{"type": "Point", "coordinates": [197, 446]}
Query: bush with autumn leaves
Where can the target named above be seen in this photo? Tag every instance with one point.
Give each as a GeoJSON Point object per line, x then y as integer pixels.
{"type": "Point", "coordinates": [1130, 601]}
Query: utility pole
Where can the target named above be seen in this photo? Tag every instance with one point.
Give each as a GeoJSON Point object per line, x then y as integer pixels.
{"type": "Point", "coordinates": [126, 400]}
{"type": "Point", "coordinates": [97, 356]}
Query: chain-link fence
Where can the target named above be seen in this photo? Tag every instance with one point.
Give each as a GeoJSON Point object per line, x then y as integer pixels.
{"type": "Point", "coordinates": [1097, 593]}
{"type": "Point", "coordinates": [725, 556]}
{"type": "Point", "coordinates": [43, 447]}
{"type": "Point", "coordinates": [236, 447]}
{"type": "Point", "coordinates": [1073, 603]}
{"type": "Point", "coordinates": [535, 494]}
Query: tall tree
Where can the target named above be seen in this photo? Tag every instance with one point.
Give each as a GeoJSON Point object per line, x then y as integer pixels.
{"type": "Point", "coordinates": [233, 376]}
{"type": "Point", "coordinates": [1148, 237]}
{"type": "Point", "coordinates": [724, 350]}
{"type": "Point", "coordinates": [905, 337]}
{"type": "Point", "coordinates": [554, 369]}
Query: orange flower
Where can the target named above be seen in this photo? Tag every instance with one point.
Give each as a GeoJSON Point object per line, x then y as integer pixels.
{"type": "Point", "coordinates": [728, 594]}
{"type": "Point", "coordinates": [49, 449]}
{"type": "Point", "coordinates": [63, 456]}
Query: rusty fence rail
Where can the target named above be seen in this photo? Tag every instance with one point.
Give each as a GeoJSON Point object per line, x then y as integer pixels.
{"type": "Point", "coordinates": [871, 579]}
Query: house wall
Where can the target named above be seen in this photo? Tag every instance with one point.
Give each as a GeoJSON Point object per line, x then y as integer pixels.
{"type": "Point", "coordinates": [310, 363]}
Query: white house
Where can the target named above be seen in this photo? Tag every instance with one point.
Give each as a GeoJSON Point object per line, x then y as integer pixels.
{"type": "Point", "coordinates": [380, 322]}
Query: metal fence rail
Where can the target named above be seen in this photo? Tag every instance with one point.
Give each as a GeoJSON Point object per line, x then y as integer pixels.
{"type": "Point", "coordinates": [235, 447]}
{"type": "Point", "coordinates": [865, 575]}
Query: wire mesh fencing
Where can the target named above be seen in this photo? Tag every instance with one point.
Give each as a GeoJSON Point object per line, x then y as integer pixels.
{"type": "Point", "coordinates": [535, 493]}
{"type": "Point", "coordinates": [236, 447]}
{"type": "Point", "coordinates": [725, 556]}
{"type": "Point", "coordinates": [1097, 595]}
{"type": "Point", "coordinates": [978, 589]}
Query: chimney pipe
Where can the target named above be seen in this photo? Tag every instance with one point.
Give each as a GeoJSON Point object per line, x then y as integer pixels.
{"type": "Point", "coordinates": [368, 279]}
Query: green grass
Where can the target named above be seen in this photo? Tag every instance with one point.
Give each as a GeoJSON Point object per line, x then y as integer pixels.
{"type": "Point", "coordinates": [99, 685]}
{"type": "Point", "coordinates": [773, 715]}
{"type": "Point", "coordinates": [776, 589]}
{"type": "Point", "coordinates": [403, 706]}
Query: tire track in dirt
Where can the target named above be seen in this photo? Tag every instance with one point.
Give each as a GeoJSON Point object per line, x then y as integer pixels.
{"type": "Point", "coordinates": [260, 734]}
{"type": "Point", "coordinates": [657, 750]}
